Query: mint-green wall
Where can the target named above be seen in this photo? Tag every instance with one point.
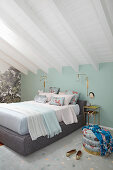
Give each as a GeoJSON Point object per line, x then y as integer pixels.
{"type": "Point", "coordinates": [100, 82]}
{"type": "Point", "coordinates": [30, 84]}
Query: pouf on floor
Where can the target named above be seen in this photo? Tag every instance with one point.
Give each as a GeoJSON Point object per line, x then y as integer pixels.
{"type": "Point", "coordinates": [95, 133]}
{"type": "Point", "coordinates": [89, 134]}
{"type": "Point", "coordinates": [90, 142]}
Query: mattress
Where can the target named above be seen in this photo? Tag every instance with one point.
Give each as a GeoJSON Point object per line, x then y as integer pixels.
{"type": "Point", "coordinates": [17, 122]}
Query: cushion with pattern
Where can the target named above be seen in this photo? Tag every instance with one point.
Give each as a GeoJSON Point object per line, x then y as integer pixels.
{"type": "Point", "coordinates": [54, 90]}
{"type": "Point", "coordinates": [58, 101]}
{"type": "Point", "coordinates": [40, 98]}
{"type": "Point", "coordinates": [74, 98]}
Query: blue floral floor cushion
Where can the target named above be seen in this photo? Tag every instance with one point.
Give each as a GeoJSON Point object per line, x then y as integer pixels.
{"type": "Point", "coordinates": [92, 148]}
{"type": "Point", "coordinates": [91, 142]}
{"type": "Point", "coordinates": [89, 134]}
{"type": "Point", "coordinates": [96, 133]}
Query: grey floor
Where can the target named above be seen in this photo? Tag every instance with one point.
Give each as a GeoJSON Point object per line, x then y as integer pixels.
{"type": "Point", "coordinates": [53, 157]}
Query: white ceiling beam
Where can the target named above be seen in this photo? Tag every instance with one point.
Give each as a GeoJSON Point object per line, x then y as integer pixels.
{"type": "Point", "coordinates": [20, 31]}
{"type": "Point", "coordinates": [13, 63]}
{"type": "Point", "coordinates": [23, 29]}
{"type": "Point", "coordinates": [22, 46]}
{"type": "Point", "coordinates": [66, 54]}
{"type": "Point", "coordinates": [15, 55]}
{"type": "Point", "coordinates": [104, 19]}
{"type": "Point", "coordinates": [4, 66]}
{"type": "Point", "coordinates": [37, 34]}
{"type": "Point", "coordinates": [74, 36]}
{"type": "Point", "coordinates": [63, 52]}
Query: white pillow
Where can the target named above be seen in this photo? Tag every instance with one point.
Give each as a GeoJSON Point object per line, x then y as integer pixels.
{"type": "Point", "coordinates": [48, 95]}
{"type": "Point", "coordinates": [61, 93]}
{"type": "Point", "coordinates": [67, 98]}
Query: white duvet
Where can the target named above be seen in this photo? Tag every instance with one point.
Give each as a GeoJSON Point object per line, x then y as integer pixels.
{"type": "Point", "coordinates": [16, 120]}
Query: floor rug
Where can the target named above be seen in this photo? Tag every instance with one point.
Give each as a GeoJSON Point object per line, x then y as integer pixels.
{"type": "Point", "coordinates": [53, 157]}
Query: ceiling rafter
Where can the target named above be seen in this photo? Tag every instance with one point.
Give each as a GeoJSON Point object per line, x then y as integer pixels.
{"type": "Point", "coordinates": [14, 54]}
{"type": "Point", "coordinates": [13, 25]}
{"type": "Point", "coordinates": [54, 33]}
{"type": "Point", "coordinates": [22, 46]}
{"type": "Point", "coordinates": [37, 33]}
{"type": "Point", "coordinates": [4, 66]}
{"type": "Point", "coordinates": [49, 33]}
{"type": "Point", "coordinates": [104, 19]}
{"type": "Point", "coordinates": [20, 31]}
{"type": "Point", "coordinates": [74, 36]}
{"type": "Point", "coordinates": [16, 65]}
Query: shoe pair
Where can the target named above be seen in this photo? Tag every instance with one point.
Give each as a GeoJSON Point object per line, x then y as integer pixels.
{"type": "Point", "coordinates": [71, 152]}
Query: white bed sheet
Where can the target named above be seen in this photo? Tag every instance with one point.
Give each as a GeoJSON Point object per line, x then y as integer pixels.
{"type": "Point", "coordinates": [17, 122]}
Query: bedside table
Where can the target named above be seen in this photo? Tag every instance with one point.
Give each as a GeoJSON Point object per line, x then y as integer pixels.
{"type": "Point", "coordinates": [91, 110]}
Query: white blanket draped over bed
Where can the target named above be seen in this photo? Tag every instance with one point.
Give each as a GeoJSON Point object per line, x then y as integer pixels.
{"type": "Point", "coordinates": [41, 118]}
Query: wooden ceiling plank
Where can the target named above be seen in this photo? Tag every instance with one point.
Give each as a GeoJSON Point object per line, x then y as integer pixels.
{"type": "Point", "coordinates": [58, 46]}
{"type": "Point", "coordinates": [104, 20]}
{"type": "Point", "coordinates": [41, 56]}
{"type": "Point", "coordinates": [4, 66]}
{"type": "Point", "coordinates": [21, 45]}
{"type": "Point", "coordinates": [75, 37]}
{"type": "Point", "coordinates": [14, 54]}
{"type": "Point", "coordinates": [13, 63]}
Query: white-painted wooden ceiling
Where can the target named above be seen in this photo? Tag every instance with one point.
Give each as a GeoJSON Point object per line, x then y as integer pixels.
{"type": "Point", "coordinates": [40, 34]}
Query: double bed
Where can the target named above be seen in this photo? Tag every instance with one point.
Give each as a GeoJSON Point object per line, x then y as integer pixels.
{"type": "Point", "coordinates": [14, 131]}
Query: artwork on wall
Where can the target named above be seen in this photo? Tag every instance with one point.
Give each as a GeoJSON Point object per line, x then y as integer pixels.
{"type": "Point", "coordinates": [10, 86]}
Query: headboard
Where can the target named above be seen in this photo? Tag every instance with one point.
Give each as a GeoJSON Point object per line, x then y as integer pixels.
{"type": "Point", "coordinates": [81, 103]}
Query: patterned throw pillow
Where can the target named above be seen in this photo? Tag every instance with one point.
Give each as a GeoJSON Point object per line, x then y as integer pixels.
{"type": "Point", "coordinates": [48, 95]}
{"type": "Point", "coordinates": [40, 98]}
{"type": "Point", "coordinates": [58, 101]}
{"type": "Point", "coordinates": [54, 90]}
{"type": "Point", "coordinates": [74, 98]}
{"type": "Point", "coordinates": [67, 97]}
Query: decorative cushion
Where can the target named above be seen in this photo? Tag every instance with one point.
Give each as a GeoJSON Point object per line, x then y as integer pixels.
{"type": "Point", "coordinates": [74, 98]}
{"type": "Point", "coordinates": [58, 101]}
{"type": "Point", "coordinates": [48, 95]}
{"type": "Point", "coordinates": [54, 90]}
{"type": "Point", "coordinates": [89, 134]}
{"type": "Point", "coordinates": [40, 98]}
{"type": "Point", "coordinates": [61, 93]}
{"type": "Point", "coordinates": [90, 142]}
{"type": "Point", "coordinates": [67, 98]}
{"type": "Point", "coordinates": [71, 92]}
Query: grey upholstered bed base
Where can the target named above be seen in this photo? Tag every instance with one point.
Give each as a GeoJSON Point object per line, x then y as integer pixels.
{"type": "Point", "coordinates": [23, 143]}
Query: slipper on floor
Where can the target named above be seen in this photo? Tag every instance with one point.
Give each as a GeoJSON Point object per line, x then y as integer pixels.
{"type": "Point", "coordinates": [78, 155]}
{"type": "Point", "coordinates": [70, 152]}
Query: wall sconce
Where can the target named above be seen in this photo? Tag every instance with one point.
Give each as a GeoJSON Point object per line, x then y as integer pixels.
{"type": "Point", "coordinates": [86, 78]}
{"type": "Point", "coordinates": [44, 79]}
